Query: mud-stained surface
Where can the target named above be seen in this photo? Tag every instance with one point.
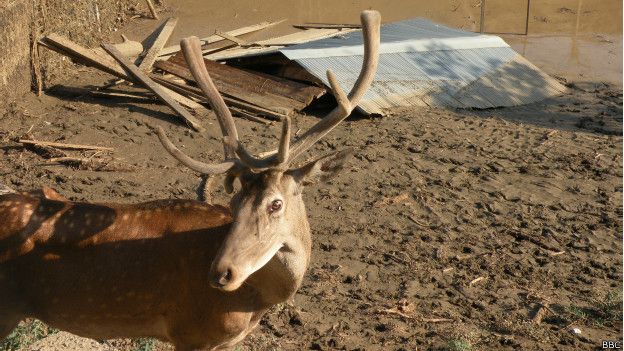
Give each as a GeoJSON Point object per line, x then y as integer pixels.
{"type": "Point", "coordinates": [449, 228]}
{"type": "Point", "coordinates": [447, 231]}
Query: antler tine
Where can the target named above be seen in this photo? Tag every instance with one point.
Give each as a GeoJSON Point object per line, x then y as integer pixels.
{"type": "Point", "coordinates": [371, 21]}
{"type": "Point", "coordinates": [259, 163]}
{"type": "Point", "coordinates": [284, 146]}
{"type": "Point", "coordinates": [197, 166]}
{"type": "Point", "coordinates": [191, 48]}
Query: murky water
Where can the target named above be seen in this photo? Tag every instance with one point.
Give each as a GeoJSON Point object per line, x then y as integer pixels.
{"type": "Point", "coordinates": [578, 39]}
{"type": "Point", "coordinates": [587, 57]}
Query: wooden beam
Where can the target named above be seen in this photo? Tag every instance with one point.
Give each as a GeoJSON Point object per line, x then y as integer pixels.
{"type": "Point", "coordinates": [326, 25]}
{"type": "Point", "coordinates": [170, 50]}
{"type": "Point", "coordinates": [270, 92]}
{"type": "Point", "coordinates": [274, 44]}
{"type": "Point", "coordinates": [144, 79]}
{"type": "Point", "coordinates": [92, 58]}
{"type": "Point", "coordinates": [87, 56]}
{"type": "Point", "coordinates": [232, 38]}
{"type": "Point", "coordinates": [152, 53]}
{"type": "Point", "coordinates": [229, 100]}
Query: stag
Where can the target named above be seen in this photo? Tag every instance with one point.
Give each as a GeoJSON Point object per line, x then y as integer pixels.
{"type": "Point", "coordinates": [194, 274]}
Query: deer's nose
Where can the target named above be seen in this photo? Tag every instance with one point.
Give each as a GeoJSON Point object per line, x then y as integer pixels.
{"type": "Point", "coordinates": [222, 278]}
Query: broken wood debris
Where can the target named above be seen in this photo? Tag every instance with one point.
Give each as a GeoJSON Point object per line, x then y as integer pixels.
{"type": "Point", "coordinates": [153, 86]}
{"type": "Point", "coordinates": [170, 50]}
{"type": "Point", "coordinates": [251, 94]}
{"type": "Point", "coordinates": [269, 92]}
{"type": "Point", "coordinates": [92, 158]}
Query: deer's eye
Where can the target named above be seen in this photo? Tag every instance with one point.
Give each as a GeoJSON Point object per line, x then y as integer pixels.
{"type": "Point", "coordinates": [276, 205]}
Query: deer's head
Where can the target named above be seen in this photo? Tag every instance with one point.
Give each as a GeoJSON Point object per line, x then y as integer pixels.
{"type": "Point", "coordinates": [268, 210]}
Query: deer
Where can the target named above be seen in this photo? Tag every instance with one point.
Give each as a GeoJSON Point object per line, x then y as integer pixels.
{"type": "Point", "coordinates": [195, 274]}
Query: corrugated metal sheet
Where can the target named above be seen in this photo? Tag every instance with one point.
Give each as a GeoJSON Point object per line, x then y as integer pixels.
{"type": "Point", "coordinates": [424, 63]}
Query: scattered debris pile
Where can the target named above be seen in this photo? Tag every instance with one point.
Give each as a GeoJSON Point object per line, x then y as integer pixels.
{"type": "Point", "coordinates": [85, 157]}
{"type": "Point", "coordinates": [163, 71]}
{"type": "Point", "coordinates": [421, 63]}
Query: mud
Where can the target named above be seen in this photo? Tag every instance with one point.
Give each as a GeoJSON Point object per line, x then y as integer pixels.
{"type": "Point", "coordinates": [525, 203]}
{"type": "Point", "coordinates": [448, 230]}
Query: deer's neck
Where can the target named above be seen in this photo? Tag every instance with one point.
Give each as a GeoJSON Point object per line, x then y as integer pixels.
{"type": "Point", "coordinates": [280, 278]}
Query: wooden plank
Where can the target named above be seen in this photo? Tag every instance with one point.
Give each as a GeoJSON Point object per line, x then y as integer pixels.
{"type": "Point", "coordinates": [181, 99]}
{"type": "Point", "coordinates": [238, 85]}
{"type": "Point", "coordinates": [215, 38]}
{"type": "Point", "coordinates": [257, 88]}
{"type": "Point", "coordinates": [249, 116]}
{"type": "Point", "coordinates": [232, 38]}
{"type": "Point", "coordinates": [153, 86]}
{"type": "Point", "coordinates": [92, 58]}
{"type": "Point", "coordinates": [87, 56]}
{"type": "Point", "coordinates": [152, 53]}
{"type": "Point", "coordinates": [229, 100]}
{"type": "Point", "coordinates": [116, 94]}
{"type": "Point", "coordinates": [274, 44]}
{"type": "Point", "coordinates": [326, 26]}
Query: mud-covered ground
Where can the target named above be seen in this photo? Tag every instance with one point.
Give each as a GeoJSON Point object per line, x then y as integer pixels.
{"type": "Point", "coordinates": [448, 230]}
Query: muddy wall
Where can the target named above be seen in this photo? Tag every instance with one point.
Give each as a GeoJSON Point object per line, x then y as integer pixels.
{"type": "Point", "coordinates": [15, 43]}
{"type": "Point", "coordinates": [23, 22]}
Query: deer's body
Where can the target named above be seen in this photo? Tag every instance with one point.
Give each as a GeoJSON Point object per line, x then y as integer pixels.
{"type": "Point", "coordinates": [137, 270]}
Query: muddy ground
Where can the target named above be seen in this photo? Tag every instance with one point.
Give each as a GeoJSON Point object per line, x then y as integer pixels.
{"type": "Point", "coordinates": [447, 231]}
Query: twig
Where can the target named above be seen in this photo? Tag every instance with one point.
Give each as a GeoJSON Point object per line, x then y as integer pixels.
{"type": "Point", "coordinates": [394, 311]}
{"type": "Point", "coordinates": [539, 313]}
{"type": "Point", "coordinates": [152, 9]}
{"type": "Point", "coordinates": [65, 146]}
{"type": "Point", "coordinates": [431, 226]}
{"type": "Point", "coordinates": [437, 320]}
{"type": "Point", "coordinates": [476, 280]}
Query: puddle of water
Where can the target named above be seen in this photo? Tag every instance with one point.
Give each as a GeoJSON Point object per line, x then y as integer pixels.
{"type": "Point", "coordinates": [595, 58]}
{"type": "Point", "coordinates": [561, 32]}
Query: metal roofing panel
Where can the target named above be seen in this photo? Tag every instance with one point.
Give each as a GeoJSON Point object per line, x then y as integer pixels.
{"type": "Point", "coordinates": [433, 72]}
{"type": "Point", "coordinates": [406, 36]}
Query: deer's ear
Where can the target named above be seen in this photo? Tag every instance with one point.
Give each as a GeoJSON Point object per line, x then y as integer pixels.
{"type": "Point", "coordinates": [321, 169]}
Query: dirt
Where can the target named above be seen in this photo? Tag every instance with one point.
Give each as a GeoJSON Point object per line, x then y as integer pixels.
{"type": "Point", "coordinates": [472, 217]}
{"type": "Point", "coordinates": [448, 230]}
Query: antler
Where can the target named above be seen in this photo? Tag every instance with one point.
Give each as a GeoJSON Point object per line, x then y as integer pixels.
{"type": "Point", "coordinates": [371, 21]}
{"type": "Point", "coordinates": [252, 162]}
{"type": "Point", "coordinates": [232, 146]}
